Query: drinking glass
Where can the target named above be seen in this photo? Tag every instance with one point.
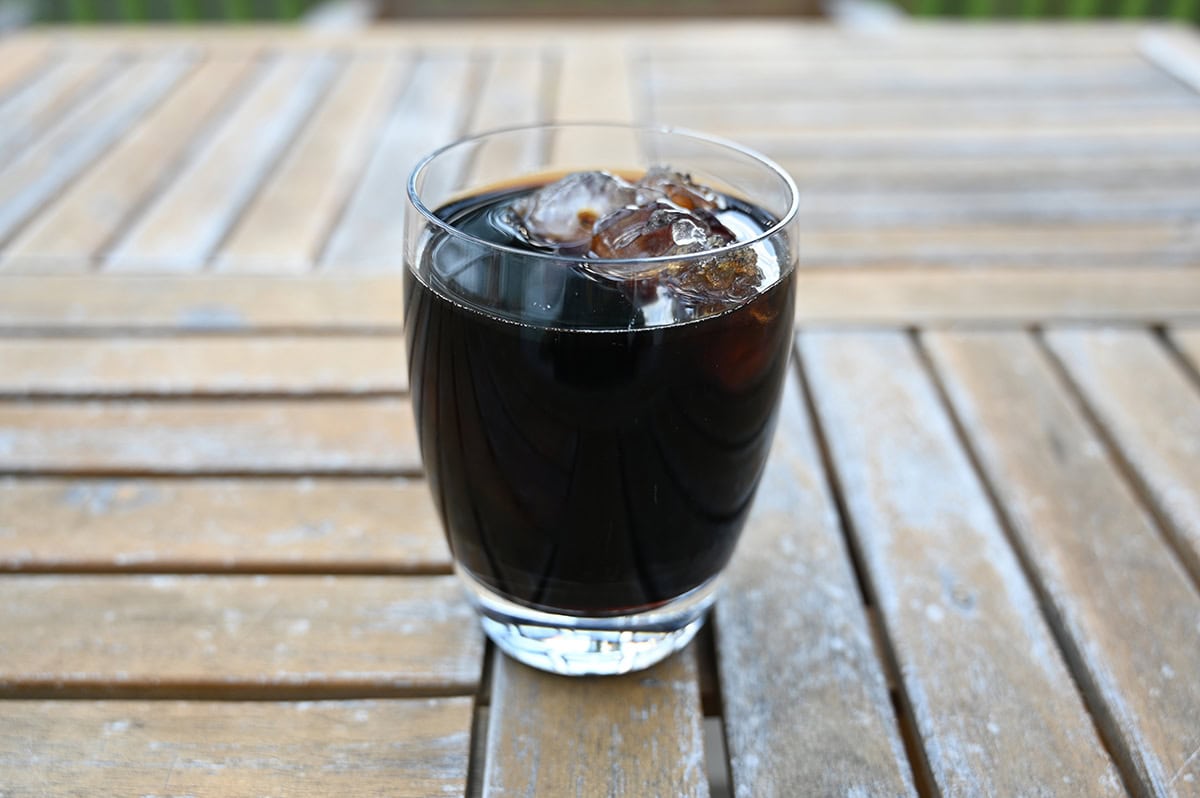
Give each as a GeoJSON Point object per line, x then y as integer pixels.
{"type": "Point", "coordinates": [593, 431]}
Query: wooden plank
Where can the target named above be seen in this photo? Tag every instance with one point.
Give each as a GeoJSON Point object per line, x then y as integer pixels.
{"type": "Point", "coordinates": [207, 303]}
{"type": "Point", "coordinates": [957, 170]}
{"type": "Point", "coordinates": [76, 227]}
{"type": "Point", "coordinates": [1123, 605]}
{"type": "Point", "coordinates": [409, 748]}
{"type": "Point", "coordinates": [632, 735]}
{"type": "Point", "coordinates": [595, 84]}
{"type": "Point", "coordinates": [869, 79]}
{"type": "Point", "coordinates": [343, 302]}
{"type": "Point", "coordinates": [983, 245]}
{"type": "Point", "coordinates": [202, 366]}
{"type": "Point", "coordinates": [950, 141]}
{"type": "Point", "coordinates": [214, 525]}
{"type": "Point", "coordinates": [236, 636]}
{"type": "Point", "coordinates": [1009, 295]}
{"type": "Point", "coordinates": [1176, 52]}
{"type": "Point", "coordinates": [512, 93]}
{"type": "Point", "coordinates": [186, 222]}
{"type": "Point", "coordinates": [283, 229]}
{"type": "Point", "coordinates": [287, 436]}
{"type": "Point", "coordinates": [903, 206]}
{"type": "Point", "coordinates": [732, 116]}
{"type": "Point", "coordinates": [1150, 410]}
{"type": "Point", "coordinates": [981, 675]}
{"type": "Point", "coordinates": [27, 114]}
{"type": "Point", "coordinates": [805, 699]}
{"type": "Point", "coordinates": [1188, 342]}
{"type": "Point", "coordinates": [430, 113]}
{"type": "Point", "coordinates": [35, 176]}
{"type": "Point", "coordinates": [21, 62]}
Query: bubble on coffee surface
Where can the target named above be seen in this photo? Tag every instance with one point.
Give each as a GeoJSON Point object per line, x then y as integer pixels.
{"type": "Point", "coordinates": [601, 217]}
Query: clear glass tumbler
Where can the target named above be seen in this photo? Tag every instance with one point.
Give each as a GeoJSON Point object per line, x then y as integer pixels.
{"type": "Point", "coordinates": [594, 430]}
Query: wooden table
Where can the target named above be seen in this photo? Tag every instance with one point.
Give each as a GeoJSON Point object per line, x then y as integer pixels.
{"type": "Point", "coordinates": [973, 565]}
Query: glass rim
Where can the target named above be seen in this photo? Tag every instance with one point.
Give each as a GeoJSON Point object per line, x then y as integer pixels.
{"type": "Point", "coordinates": [774, 229]}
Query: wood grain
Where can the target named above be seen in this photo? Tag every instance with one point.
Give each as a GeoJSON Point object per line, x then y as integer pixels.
{"type": "Point", "coordinates": [981, 675]}
{"type": "Point", "coordinates": [285, 226]}
{"type": "Point", "coordinates": [1188, 341]}
{"type": "Point", "coordinates": [309, 436]}
{"type": "Point", "coordinates": [73, 230]}
{"type": "Point", "coordinates": [633, 735]}
{"type": "Point", "coordinates": [1150, 410]}
{"type": "Point", "coordinates": [1175, 51]}
{"type": "Point", "coordinates": [236, 636]}
{"type": "Point", "coordinates": [202, 366]}
{"type": "Point", "coordinates": [184, 224]}
{"type": "Point", "coordinates": [1010, 295]}
{"type": "Point", "coordinates": [595, 84]}
{"type": "Point", "coordinates": [1039, 245]}
{"type": "Point", "coordinates": [407, 748]}
{"type": "Point", "coordinates": [210, 303]}
{"type": "Point", "coordinates": [1123, 605]}
{"type": "Point", "coordinates": [805, 699]}
{"type": "Point", "coordinates": [430, 113]}
{"type": "Point", "coordinates": [733, 115]}
{"type": "Point", "coordinates": [21, 62]}
{"type": "Point", "coordinates": [41, 170]}
{"type": "Point", "coordinates": [513, 92]}
{"type": "Point", "coordinates": [215, 525]}
{"type": "Point", "coordinates": [28, 114]}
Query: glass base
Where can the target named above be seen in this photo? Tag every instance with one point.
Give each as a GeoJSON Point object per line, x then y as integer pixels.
{"type": "Point", "coordinates": [576, 645]}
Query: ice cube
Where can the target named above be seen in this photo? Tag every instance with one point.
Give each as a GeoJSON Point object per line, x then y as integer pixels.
{"type": "Point", "coordinates": [678, 188]}
{"type": "Point", "coordinates": [654, 231]}
{"type": "Point", "coordinates": [562, 214]}
{"type": "Point", "coordinates": [714, 282]}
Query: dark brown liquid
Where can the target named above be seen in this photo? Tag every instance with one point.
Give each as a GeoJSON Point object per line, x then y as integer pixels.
{"type": "Point", "coordinates": [584, 470]}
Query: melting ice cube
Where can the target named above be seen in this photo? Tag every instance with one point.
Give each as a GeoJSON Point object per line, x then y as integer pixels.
{"type": "Point", "coordinates": [562, 214]}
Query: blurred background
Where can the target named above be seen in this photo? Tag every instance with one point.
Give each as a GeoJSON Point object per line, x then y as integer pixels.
{"type": "Point", "coordinates": [14, 12]}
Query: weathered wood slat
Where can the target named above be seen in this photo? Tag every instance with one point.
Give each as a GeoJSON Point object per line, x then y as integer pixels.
{"type": "Point", "coordinates": [513, 92]}
{"type": "Point", "coordinates": [984, 682]}
{"type": "Point", "coordinates": [1010, 295]}
{"type": "Point", "coordinates": [222, 303]}
{"type": "Point", "coordinates": [863, 79]}
{"type": "Point", "coordinates": [430, 113]}
{"type": "Point", "coordinates": [886, 295]}
{"type": "Point", "coordinates": [236, 636]}
{"type": "Point", "coordinates": [29, 113]}
{"type": "Point", "coordinates": [202, 366]}
{"type": "Point", "coordinates": [962, 246]}
{"type": "Point", "coordinates": [633, 735]}
{"type": "Point", "coordinates": [595, 84]}
{"type": "Point", "coordinates": [406, 748]}
{"type": "Point", "coordinates": [1188, 342]}
{"type": "Point", "coordinates": [732, 116]}
{"type": "Point", "coordinates": [1122, 603]}
{"type": "Point", "coordinates": [41, 170]}
{"type": "Point", "coordinates": [309, 436]}
{"type": "Point", "coordinates": [949, 141]}
{"type": "Point", "coordinates": [21, 61]}
{"type": "Point", "coordinates": [285, 226]}
{"type": "Point", "coordinates": [185, 223]}
{"type": "Point", "coordinates": [75, 228]}
{"type": "Point", "coordinates": [903, 206]}
{"type": "Point", "coordinates": [966, 170]}
{"type": "Point", "coordinates": [1150, 410]}
{"type": "Point", "coordinates": [376, 525]}
{"type": "Point", "coordinates": [805, 700]}
{"type": "Point", "coordinates": [1176, 52]}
